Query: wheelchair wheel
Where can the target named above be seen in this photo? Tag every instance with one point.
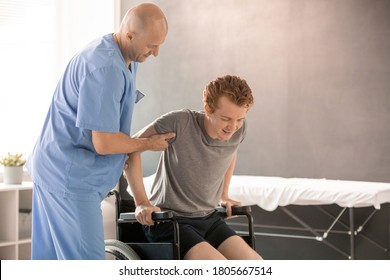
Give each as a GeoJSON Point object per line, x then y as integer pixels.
{"type": "Point", "coordinates": [120, 250]}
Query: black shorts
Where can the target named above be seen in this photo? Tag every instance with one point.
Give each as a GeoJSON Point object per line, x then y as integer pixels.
{"type": "Point", "coordinates": [212, 229]}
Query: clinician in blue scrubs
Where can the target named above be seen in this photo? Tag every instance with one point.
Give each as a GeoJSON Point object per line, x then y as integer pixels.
{"type": "Point", "coordinates": [81, 151]}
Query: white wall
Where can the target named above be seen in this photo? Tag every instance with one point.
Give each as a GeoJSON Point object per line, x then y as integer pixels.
{"type": "Point", "coordinates": [318, 69]}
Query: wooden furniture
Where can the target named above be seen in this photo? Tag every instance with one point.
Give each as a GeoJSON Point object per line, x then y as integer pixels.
{"type": "Point", "coordinates": [15, 221]}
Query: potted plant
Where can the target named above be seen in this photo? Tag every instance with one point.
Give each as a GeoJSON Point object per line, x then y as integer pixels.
{"type": "Point", "coordinates": [13, 168]}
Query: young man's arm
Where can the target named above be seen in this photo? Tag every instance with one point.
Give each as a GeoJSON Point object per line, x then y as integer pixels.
{"type": "Point", "coordinates": [134, 177]}
{"type": "Point", "coordinates": [225, 200]}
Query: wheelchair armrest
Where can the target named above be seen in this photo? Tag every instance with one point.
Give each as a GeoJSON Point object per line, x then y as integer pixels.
{"type": "Point", "coordinates": [162, 215]}
{"type": "Point", "coordinates": [156, 216]}
{"type": "Point", "coordinates": [241, 210]}
{"type": "Point", "coordinates": [236, 210]}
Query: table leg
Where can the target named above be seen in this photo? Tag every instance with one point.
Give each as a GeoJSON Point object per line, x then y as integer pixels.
{"type": "Point", "coordinates": [352, 233]}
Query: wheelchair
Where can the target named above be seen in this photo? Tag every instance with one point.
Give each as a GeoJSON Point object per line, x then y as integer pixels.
{"type": "Point", "coordinates": [131, 243]}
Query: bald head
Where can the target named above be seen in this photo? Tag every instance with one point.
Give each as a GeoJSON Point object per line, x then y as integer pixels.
{"type": "Point", "coordinates": [142, 18]}
{"type": "Point", "coordinates": [141, 32]}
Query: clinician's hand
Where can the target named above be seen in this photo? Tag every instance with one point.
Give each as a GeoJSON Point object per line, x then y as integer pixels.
{"type": "Point", "coordinates": [159, 142]}
{"type": "Point", "coordinates": [143, 214]}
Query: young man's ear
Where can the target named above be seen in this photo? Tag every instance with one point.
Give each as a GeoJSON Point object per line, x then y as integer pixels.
{"type": "Point", "coordinates": [207, 109]}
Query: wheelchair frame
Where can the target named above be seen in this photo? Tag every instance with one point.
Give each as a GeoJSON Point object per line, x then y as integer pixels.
{"type": "Point", "coordinates": [122, 249]}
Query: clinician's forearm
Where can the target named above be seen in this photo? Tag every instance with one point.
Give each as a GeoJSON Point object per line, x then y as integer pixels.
{"type": "Point", "coordinates": [118, 143]}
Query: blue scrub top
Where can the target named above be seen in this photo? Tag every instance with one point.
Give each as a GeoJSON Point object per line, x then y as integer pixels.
{"type": "Point", "coordinates": [96, 92]}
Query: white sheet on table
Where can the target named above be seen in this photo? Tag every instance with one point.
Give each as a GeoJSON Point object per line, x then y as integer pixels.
{"type": "Point", "coordinates": [271, 192]}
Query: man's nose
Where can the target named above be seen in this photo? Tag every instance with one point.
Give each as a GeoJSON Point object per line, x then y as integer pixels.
{"type": "Point", "coordinates": [232, 123]}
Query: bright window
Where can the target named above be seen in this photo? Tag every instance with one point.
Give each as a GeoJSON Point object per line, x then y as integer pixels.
{"type": "Point", "coordinates": [37, 39]}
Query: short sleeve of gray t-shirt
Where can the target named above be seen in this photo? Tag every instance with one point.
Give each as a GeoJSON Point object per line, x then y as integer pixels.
{"type": "Point", "coordinates": [191, 171]}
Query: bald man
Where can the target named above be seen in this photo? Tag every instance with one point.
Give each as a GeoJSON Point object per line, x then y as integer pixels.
{"type": "Point", "coordinates": [81, 151]}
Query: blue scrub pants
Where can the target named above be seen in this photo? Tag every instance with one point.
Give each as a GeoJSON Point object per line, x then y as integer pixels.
{"type": "Point", "coordinates": [66, 229]}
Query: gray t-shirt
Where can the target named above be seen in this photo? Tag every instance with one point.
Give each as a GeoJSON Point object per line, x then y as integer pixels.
{"type": "Point", "coordinates": [190, 173]}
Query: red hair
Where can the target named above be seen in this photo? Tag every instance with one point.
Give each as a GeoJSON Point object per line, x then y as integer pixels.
{"type": "Point", "coordinates": [233, 87]}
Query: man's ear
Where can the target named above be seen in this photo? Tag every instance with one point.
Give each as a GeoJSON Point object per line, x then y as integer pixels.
{"type": "Point", "coordinates": [207, 109]}
{"type": "Point", "coordinates": [130, 35]}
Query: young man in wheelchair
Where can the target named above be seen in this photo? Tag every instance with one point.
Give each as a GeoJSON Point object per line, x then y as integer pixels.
{"type": "Point", "coordinates": [193, 174]}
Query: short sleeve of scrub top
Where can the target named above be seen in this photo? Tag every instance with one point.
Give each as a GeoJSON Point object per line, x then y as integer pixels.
{"type": "Point", "coordinates": [99, 100]}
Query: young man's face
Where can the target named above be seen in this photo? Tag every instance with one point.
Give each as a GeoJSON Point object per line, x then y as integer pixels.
{"type": "Point", "coordinates": [225, 120]}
